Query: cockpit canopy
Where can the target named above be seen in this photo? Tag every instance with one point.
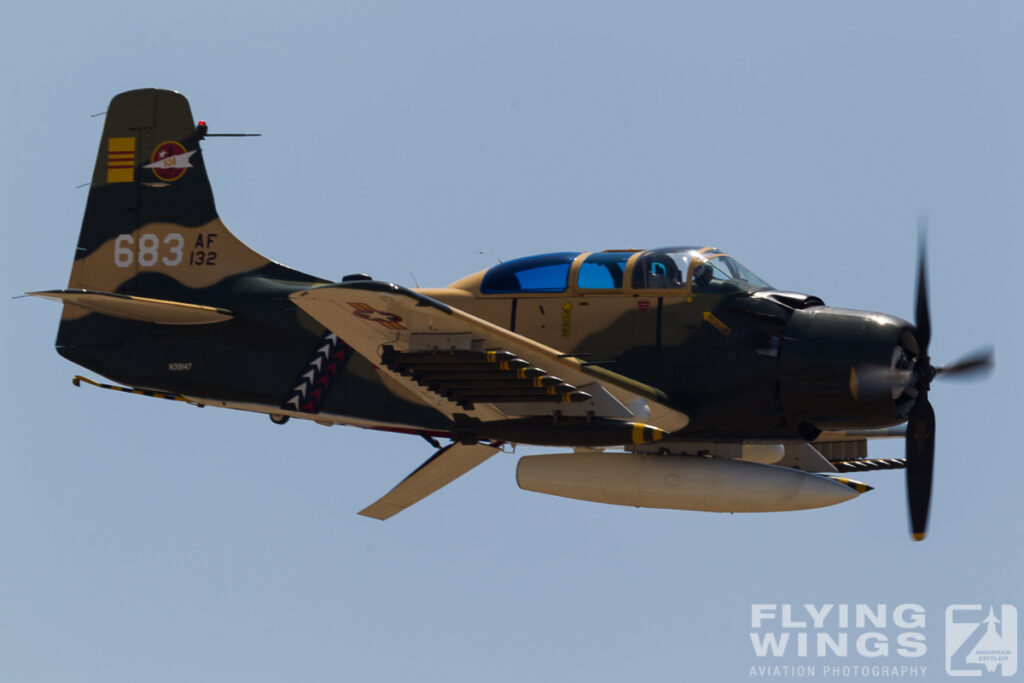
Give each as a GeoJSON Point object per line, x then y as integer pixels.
{"type": "Point", "coordinates": [542, 273]}
{"type": "Point", "coordinates": [703, 269]}
{"type": "Point", "coordinates": [693, 269]}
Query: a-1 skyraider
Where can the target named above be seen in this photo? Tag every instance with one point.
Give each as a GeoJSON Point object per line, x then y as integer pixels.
{"type": "Point", "coordinates": [713, 390]}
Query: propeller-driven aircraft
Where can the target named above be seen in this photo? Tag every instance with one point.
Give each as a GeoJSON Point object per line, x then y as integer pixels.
{"type": "Point", "coordinates": [666, 378]}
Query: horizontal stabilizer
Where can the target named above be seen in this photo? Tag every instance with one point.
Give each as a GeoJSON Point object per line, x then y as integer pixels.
{"type": "Point", "coordinates": [160, 311]}
{"type": "Point", "coordinates": [445, 466]}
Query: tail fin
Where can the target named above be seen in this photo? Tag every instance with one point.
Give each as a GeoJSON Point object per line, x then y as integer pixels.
{"type": "Point", "coordinates": [151, 228]}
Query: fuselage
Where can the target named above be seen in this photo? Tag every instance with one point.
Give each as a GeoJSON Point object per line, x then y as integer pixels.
{"type": "Point", "coordinates": [743, 360]}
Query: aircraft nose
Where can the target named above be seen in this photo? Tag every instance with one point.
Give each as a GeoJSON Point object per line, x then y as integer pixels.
{"type": "Point", "coordinates": [830, 360]}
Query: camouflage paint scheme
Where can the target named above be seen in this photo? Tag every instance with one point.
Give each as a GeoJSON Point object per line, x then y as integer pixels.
{"type": "Point", "coordinates": [253, 358]}
{"type": "Point", "coordinates": [741, 365]}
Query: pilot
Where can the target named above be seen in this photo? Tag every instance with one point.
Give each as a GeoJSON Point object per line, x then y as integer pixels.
{"type": "Point", "coordinates": [702, 276]}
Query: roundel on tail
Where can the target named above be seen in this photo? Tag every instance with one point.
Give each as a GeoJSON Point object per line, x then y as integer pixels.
{"type": "Point", "coordinates": [170, 160]}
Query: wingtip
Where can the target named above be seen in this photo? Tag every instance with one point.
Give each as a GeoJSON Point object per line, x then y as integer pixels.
{"type": "Point", "coordinates": [378, 512]}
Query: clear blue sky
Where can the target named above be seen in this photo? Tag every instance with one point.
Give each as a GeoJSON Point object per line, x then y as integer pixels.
{"type": "Point", "coordinates": [149, 541]}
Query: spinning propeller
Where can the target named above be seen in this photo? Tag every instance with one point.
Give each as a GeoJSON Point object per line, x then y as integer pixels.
{"type": "Point", "coordinates": [910, 377]}
{"type": "Point", "coordinates": [920, 441]}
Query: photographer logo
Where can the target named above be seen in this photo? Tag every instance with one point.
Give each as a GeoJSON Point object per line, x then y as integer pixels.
{"type": "Point", "coordinates": [981, 640]}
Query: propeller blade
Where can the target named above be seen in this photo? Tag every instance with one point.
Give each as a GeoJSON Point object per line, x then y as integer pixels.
{"type": "Point", "coordinates": [978, 362]}
{"type": "Point", "coordinates": [922, 319]}
{"type": "Point", "coordinates": [920, 463]}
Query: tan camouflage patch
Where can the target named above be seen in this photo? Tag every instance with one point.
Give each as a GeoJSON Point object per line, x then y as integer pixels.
{"type": "Point", "coordinates": [197, 257]}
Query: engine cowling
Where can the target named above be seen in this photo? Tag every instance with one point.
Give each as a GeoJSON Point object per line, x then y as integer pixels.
{"type": "Point", "coordinates": [821, 352]}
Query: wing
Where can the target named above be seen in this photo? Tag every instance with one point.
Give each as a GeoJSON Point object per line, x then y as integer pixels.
{"type": "Point", "coordinates": [466, 366]}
